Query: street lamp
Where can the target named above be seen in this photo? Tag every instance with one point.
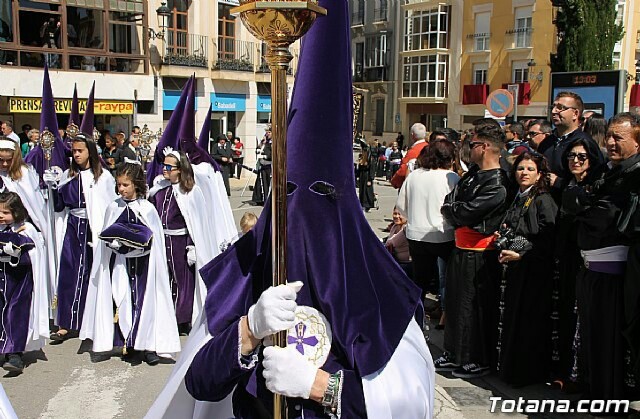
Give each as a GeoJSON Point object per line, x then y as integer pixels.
{"type": "Point", "coordinates": [162, 13]}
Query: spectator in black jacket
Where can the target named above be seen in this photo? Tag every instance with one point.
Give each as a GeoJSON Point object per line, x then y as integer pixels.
{"type": "Point", "coordinates": [221, 152]}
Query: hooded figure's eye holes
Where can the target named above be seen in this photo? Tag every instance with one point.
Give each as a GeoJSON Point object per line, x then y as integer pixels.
{"type": "Point", "coordinates": [291, 188]}
{"type": "Point", "coordinates": [323, 188]}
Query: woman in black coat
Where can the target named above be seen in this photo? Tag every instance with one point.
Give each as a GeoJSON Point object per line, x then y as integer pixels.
{"type": "Point", "coordinates": [525, 291]}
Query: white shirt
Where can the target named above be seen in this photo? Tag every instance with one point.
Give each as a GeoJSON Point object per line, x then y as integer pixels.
{"type": "Point", "coordinates": [14, 137]}
{"type": "Point", "coordinates": [420, 199]}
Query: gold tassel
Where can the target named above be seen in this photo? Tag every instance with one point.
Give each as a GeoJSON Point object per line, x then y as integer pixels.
{"type": "Point", "coordinates": [54, 302]}
{"type": "Point", "coordinates": [117, 316]}
{"type": "Point", "coordinates": [124, 349]}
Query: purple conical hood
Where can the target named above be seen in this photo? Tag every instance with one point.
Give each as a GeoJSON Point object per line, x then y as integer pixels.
{"type": "Point", "coordinates": [169, 136]}
{"type": "Point", "coordinates": [48, 121]}
{"type": "Point", "coordinates": [74, 116]}
{"type": "Point", "coordinates": [188, 121]}
{"type": "Point", "coordinates": [203, 140]}
{"type": "Point", "coordinates": [88, 118]}
{"type": "Point", "coordinates": [348, 274]}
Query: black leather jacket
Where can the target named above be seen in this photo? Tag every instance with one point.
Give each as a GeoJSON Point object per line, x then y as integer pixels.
{"type": "Point", "coordinates": [478, 201]}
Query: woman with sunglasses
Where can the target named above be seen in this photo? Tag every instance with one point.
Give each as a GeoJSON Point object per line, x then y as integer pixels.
{"type": "Point", "coordinates": [83, 194]}
{"type": "Point", "coordinates": [583, 163]}
{"type": "Point", "coordinates": [525, 292]}
{"type": "Point", "coordinates": [187, 227]}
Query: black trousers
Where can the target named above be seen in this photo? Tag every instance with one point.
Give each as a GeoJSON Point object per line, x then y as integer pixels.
{"type": "Point", "coordinates": [226, 171]}
{"type": "Point", "coordinates": [237, 167]}
{"type": "Point", "coordinates": [424, 258]}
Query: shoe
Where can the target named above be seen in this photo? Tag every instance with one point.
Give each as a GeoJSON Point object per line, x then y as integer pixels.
{"type": "Point", "coordinates": [445, 363]}
{"type": "Point", "coordinates": [13, 363]}
{"type": "Point", "coordinates": [151, 358]}
{"type": "Point", "coordinates": [471, 371]}
{"type": "Point", "coordinates": [57, 337]}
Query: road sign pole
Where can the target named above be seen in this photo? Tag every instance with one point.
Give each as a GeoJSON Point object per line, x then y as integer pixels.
{"type": "Point", "coordinates": [515, 90]}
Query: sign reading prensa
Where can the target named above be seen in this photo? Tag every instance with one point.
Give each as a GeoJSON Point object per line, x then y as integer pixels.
{"type": "Point", "coordinates": [500, 103]}
{"type": "Point", "coordinates": [63, 106]}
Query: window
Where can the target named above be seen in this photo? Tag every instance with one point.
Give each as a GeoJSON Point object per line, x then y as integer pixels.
{"type": "Point", "coordinates": [378, 127]}
{"type": "Point", "coordinates": [178, 27]}
{"type": "Point", "coordinates": [359, 61]}
{"type": "Point", "coordinates": [522, 30]}
{"type": "Point", "coordinates": [482, 30]}
{"type": "Point", "coordinates": [480, 73]}
{"type": "Point", "coordinates": [85, 35]}
{"type": "Point", "coordinates": [6, 21]}
{"type": "Point", "coordinates": [226, 32]}
{"type": "Point", "coordinates": [425, 76]}
{"type": "Point", "coordinates": [376, 51]}
{"type": "Point", "coordinates": [357, 14]}
{"type": "Point", "coordinates": [426, 29]}
{"type": "Point", "coordinates": [520, 71]}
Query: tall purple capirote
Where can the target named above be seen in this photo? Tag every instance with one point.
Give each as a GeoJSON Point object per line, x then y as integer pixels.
{"type": "Point", "coordinates": [169, 136]}
{"type": "Point", "coordinates": [188, 122]}
{"type": "Point", "coordinates": [87, 125]}
{"type": "Point", "coordinates": [348, 274]}
{"type": "Point", "coordinates": [205, 132]}
{"type": "Point", "coordinates": [74, 116]}
{"type": "Point", "coordinates": [48, 121]}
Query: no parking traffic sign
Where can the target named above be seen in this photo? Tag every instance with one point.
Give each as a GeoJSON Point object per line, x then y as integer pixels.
{"type": "Point", "coordinates": [500, 103]}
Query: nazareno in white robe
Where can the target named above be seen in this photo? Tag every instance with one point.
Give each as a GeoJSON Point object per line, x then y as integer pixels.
{"type": "Point", "coordinates": [28, 187]}
{"type": "Point", "coordinates": [410, 363]}
{"type": "Point", "coordinates": [157, 329]}
{"type": "Point", "coordinates": [202, 230]}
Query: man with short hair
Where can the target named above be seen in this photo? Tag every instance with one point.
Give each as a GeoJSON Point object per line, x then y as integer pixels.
{"type": "Point", "coordinates": [475, 208]}
{"type": "Point", "coordinates": [604, 215]}
{"type": "Point", "coordinates": [419, 138]}
{"type": "Point", "coordinates": [7, 131]}
{"type": "Point", "coordinates": [566, 115]}
{"type": "Point", "coordinates": [515, 136]}
{"type": "Point", "coordinates": [135, 130]}
{"type": "Point", "coordinates": [24, 135]}
{"type": "Point", "coordinates": [221, 153]}
{"type": "Point", "coordinates": [539, 130]}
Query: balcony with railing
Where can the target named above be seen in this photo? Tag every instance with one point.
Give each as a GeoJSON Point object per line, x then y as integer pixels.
{"type": "Point", "coordinates": [478, 42]}
{"type": "Point", "coordinates": [185, 49]}
{"type": "Point", "coordinates": [518, 38]}
{"type": "Point", "coordinates": [235, 55]}
{"type": "Point", "coordinates": [380, 15]}
{"type": "Point", "coordinates": [370, 74]}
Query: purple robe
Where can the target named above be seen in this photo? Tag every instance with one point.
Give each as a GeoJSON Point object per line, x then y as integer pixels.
{"type": "Point", "coordinates": [137, 271]}
{"type": "Point", "coordinates": [182, 276]}
{"type": "Point", "coordinates": [16, 290]}
{"type": "Point", "coordinates": [76, 257]}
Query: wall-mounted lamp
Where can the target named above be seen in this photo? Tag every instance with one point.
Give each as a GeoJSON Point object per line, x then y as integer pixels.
{"type": "Point", "coordinates": [531, 64]}
{"type": "Point", "coordinates": [162, 13]}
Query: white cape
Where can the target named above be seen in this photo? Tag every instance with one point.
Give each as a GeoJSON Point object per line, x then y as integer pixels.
{"type": "Point", "coordinates": [38, 317]}
{"type": "Point", "coordinates": [28, 187]}
{"type": "Point", "coordinates": [157, 330]}
{"type": "Point", "coordinates": [215, 195]}
{"type": "Point", "coordinates": [403, 388]}
{"type": "Point", "coordinates": [201, 229]}
{"type": "Point", "coordinates": [6, 410]}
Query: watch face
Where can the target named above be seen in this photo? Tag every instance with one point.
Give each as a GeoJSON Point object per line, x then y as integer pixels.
{"type": "Point", "coordinates": [311, 335]}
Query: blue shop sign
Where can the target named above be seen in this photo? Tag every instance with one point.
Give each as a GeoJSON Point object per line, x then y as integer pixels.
{"type": "Point", "coordinates": [264, 103]}
{"type": "Point", "coordinates": [170, 100]}
{"type": "Point", "coordinates": [228, 102]}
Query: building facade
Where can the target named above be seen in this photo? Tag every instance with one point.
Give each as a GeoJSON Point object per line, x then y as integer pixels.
{"type": "Point", "coordinates": [139, 67]}
{"type": "Point", "coordinates": [374, 46]}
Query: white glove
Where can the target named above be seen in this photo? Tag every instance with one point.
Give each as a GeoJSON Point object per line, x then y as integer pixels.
{"type": "Point", "coordinates": [51, 176]}
{"type": "Point", "coordinates": [274, 311]}
{"type": "Point", "coordinates": [8, 249]}
{"type": "Point", "coordinates": [115, 244]}
{"type": "Point", "coordinates": [191, 255]}
{"type": "Point", "coordinates": [288, 372]}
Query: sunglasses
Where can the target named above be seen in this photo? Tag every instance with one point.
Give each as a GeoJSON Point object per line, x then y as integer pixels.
{"type": "Point", "coordinates": [582, 157]}
{"type": "Point", "coordinates": [473, 144]}
{"type": "Point", "coordinates": [534, 133]}
{"type": "Point", "coordinates": [560, 107]}
{"type": "Point", "coordinates": [168, 167]}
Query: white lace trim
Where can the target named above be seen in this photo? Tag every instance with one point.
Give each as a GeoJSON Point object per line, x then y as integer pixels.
{"type": "Point", "coordinates": [247, 362]}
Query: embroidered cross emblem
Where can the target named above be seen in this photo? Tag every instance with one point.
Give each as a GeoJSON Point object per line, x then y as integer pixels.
{"type": "Point", "coordinates": [300, 340]}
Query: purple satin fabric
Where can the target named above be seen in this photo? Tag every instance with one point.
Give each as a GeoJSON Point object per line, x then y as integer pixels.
{"type": "Point", "coordinates": [182, 275]}
{"type": "Point", "coordinates": [16, 289]}
{"type": "Point", "coordinates": [75, 260]}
